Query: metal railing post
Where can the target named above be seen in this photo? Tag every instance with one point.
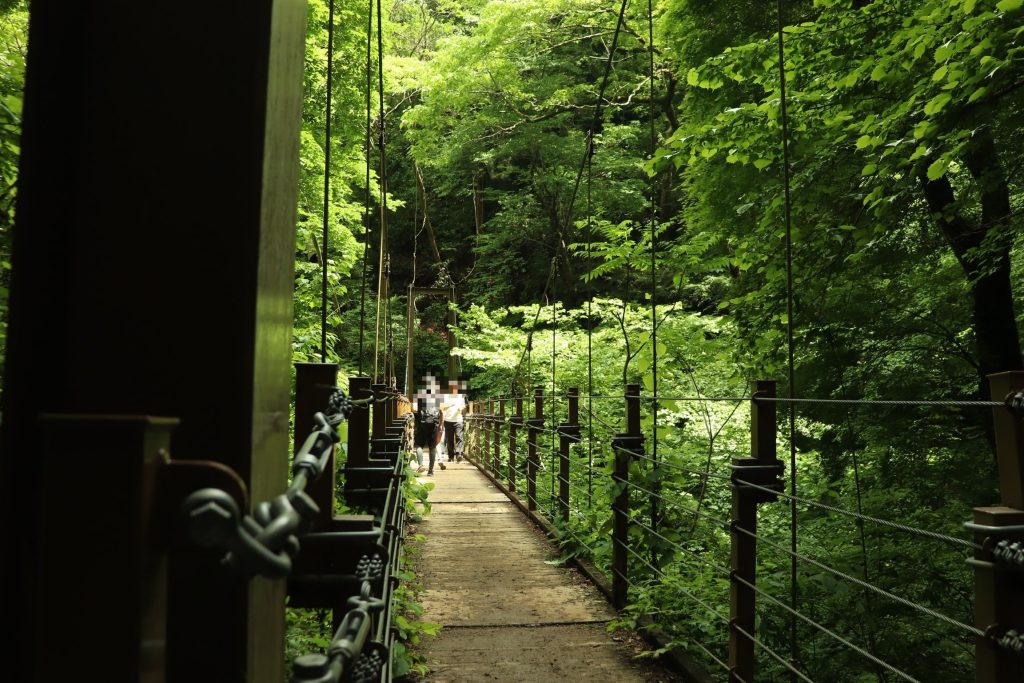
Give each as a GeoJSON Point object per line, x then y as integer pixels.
{"type": "Point", "coordinates": [763, 469]}
{"type": "Point", "coordinates": [314, 384]}
{"type": "Point", "coordinates": [626, 446]}
{"type": "Point", "coordinates": [998, 592]}
{"type": "Point", "coordinates": [534, 425]}
{"type": "Point", "coordinates": [568, 434]}
{"type": "Point", "coordinates": [514, 424]}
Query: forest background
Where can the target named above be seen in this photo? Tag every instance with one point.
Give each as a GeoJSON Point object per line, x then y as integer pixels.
{"type": "Point", "coordinates": [905, 126]}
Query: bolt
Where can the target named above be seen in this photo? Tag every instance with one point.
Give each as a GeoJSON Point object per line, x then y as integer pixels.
{"type": "Point", "coordinates": [211, 525]}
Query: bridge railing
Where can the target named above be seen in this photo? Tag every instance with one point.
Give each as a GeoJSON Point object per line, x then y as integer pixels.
{"type": "Point", "coordinates": [565, 475]}
{"type": "Point", "coordinates": [348, 563]}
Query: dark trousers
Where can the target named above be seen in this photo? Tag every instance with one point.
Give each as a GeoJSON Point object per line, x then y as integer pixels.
{"type": "Point", "coordinates": [453, 439]}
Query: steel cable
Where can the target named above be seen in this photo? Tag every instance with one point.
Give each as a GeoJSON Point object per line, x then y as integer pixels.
{"type": "Point", "coordinates": [666, 577]}
{"type": "Point", "coordinates": [972, 630]}
{"type": "Point", "coordinates": [718, 567]}
{"type": "Point", "coordinates": [864, 653]}
{"type": "Point", "coordinates": [698, 513]}
{"type": "Point", "coordinates": [868, 518]}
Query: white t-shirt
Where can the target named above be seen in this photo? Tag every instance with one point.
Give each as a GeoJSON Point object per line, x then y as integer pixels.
{"type": "Point", "coordinates": [453, 406]}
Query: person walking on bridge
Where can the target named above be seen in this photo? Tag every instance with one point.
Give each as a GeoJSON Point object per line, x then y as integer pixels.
{"type": "Point", "coordinates": [426, 429]}
{"type": "Point", "coordinates": [453, 408]}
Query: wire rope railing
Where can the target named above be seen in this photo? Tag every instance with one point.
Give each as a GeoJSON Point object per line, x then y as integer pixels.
{"type": "Point", "coordinates": [574, 502]}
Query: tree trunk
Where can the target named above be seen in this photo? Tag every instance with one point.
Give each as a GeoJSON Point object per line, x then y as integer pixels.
{"type": "Point", "coordinates": [983, 251]}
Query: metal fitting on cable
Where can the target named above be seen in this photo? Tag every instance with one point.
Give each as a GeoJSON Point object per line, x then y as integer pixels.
{"type": "Point", "coordinates": [340, 404]}
{"type": "Point", "coordinates": [1012, 641]}
{"type": "Point", "coordinates": [265, 544]}
{"type": "Point", "coordinates": [214, 521]}
{"type": "Point", "coordinates": [1015, 403]}
{"type": "Point", "coordinates": [370, 664]}
{"type": "Point", "coordinates": [1010, 553]}
{"type": "Point", "coordinates": [348, 654]}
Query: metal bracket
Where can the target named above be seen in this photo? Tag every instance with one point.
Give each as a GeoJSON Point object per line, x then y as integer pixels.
{"type": "Point", "coordinates": [754, 471]}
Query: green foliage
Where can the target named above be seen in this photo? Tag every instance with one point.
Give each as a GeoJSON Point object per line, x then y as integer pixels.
{"type": "Point", "coordinates": [895, 465]}
{"type": "Point", "coordinates": [13, 42]}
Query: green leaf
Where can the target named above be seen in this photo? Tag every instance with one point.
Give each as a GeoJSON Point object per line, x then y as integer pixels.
{"type": "Point", "coordinates": [879, 72]}
{"type": "Point", "coordinates": [937, 169]}
{"type": "Point", "coordinates": [1009, 5]}
{"type": "Point", "coordinates": [938, 103]}
{"type": "Point", "coordinates": [869, 169]}
{"type": "Point", "coordinates": [762, 164]}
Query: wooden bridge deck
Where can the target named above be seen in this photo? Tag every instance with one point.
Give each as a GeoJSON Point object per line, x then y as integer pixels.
{"type": "Point", "coordinates": [506, 614]}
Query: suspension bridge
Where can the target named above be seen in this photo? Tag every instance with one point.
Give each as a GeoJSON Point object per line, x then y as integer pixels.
{"type": "Point", "coordinates": [156, 549]}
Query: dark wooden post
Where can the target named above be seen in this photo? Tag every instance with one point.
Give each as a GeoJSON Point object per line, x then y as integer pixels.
{"type": "Point", "coordinates": [386, 441]}
{"type": "Point", "coordinates": [116, 551]}
{"type": "Point", "coordinates": [999, 594]}
{"type": "Point", "coordinates": [471, 427]}
{"type": "Point", "coordinates": [762, 469]}
{"type": "Point", "coordinates": [568, 434]}
{"type": "Point", "coordinates": [534, 425]}
{"type": "Point", "coordinates": [514, 424]}
{"type": "Point", "coordinates": [485, 456]}
{"type": "Point", "coordinates": [380, 418]}
{"type": "Point", "coordinates": [359, 388]}
{"type": "Point", "coordinates": [625, 446]}
{"type": "Point", "coordinates": [314, 384]}
{"type": "Point", "coordinates": [499, 423]}
{"type": "Point", "coordinates": [98, 327]}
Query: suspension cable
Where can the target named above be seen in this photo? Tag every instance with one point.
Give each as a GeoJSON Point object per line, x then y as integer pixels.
{"type": "Point", "coordinates": [598, 108]}
{"type": "Point", "coordinates": [382, 183]}
{"type": "Point", "coordinates": [366, 194]}
{"type": "Point", "coordinates": [590, 313]}
{"type": "Point", "coordinates": [654, 260]}
{"type": "Point", "coordinates": [327, 183]}
{"type": "Point", "coordinates": [790, 365]}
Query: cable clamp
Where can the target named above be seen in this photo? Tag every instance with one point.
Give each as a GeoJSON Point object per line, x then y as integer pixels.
{"type": "Point", "coordinates": [1014, 402]}
{"type": "Point", "coordinates": [1009, 553]}
{"type": "Point", "coordinates": [1008, 640]}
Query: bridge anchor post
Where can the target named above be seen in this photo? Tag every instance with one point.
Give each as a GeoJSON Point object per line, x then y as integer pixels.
{"type": "Point", "coordinates": [314, 384]}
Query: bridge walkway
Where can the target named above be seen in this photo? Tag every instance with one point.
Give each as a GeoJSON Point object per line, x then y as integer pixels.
{"type": "Point", "coordinates": [508, 613]}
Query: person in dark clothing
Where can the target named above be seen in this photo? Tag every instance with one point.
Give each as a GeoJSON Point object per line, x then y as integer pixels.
{"type": "Point", "coordinates": [427, 420]}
